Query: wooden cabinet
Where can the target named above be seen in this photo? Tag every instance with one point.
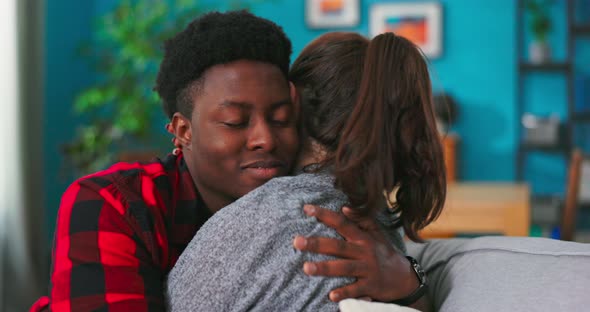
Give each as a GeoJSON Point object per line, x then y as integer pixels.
{"type": "Point", "coordinates": [483, 209]}
{"type": "Point", "coordinates": [450, 152]}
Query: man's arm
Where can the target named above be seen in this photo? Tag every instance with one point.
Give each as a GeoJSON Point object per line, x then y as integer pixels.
{"type": "Point", "coordinates": [99, 261]}
{"type": "Point", "coordinates": [383, 274]}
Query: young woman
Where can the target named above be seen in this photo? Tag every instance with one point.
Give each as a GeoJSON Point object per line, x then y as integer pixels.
{"type": "Point", "coordinates": [370, 130]}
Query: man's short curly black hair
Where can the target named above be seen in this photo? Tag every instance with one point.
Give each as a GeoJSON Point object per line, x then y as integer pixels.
{"type": "Point", "coordinates": [212, 39]}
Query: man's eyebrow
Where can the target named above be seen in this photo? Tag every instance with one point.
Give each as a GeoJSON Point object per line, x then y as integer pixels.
{"type": "Point", "coordinates": [247, 105]}
{"type": "Point", "coordinates": [278, 104]}
{"type": "Point", "coordinates": [240, 105]}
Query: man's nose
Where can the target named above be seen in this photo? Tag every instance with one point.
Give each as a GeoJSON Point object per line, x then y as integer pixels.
{"type": "Point", "coordinates": [261, 137]}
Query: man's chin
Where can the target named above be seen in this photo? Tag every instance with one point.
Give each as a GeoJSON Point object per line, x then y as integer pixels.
{"type": "Point", "coordinates": [251, 184]}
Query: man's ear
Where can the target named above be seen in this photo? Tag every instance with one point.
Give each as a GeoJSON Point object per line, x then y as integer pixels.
{"type": "Point", "coordinates": [182, 130]}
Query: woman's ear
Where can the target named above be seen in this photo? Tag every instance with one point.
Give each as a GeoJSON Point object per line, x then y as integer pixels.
{"type": "Point", "coordinates": [182, 130]}
{"type": "Point", "coordinates": [295, 99]}
{"type": "Point", "coordinates": [294, 95]}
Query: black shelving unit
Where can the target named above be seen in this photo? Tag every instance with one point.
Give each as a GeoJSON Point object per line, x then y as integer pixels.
{"type": "Point", "coordinates": [581, 117]}
{"type": "Point", "coordinates": [581, 30]}
{"type": "Point", "coordinates": [548, 67]}
{"type": "Point", "coordinates": [566, 68]}
{"type": "Point", "coordinates": [547, 148]}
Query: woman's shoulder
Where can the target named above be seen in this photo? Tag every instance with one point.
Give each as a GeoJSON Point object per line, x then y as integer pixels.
{"type": "Point", "coordinates": [305, 182]}
{"type": "Point", "coordinates": [306, 188]}
{"type": "Point", "coordinates": [284, 197]}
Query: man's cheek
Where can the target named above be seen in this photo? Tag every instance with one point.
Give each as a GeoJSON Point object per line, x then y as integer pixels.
{"type": "Point", "coordinates": [218, 141]}
{"type": "Point", "coordinates": [292, 139]}
{"type": "Point", "coordinates": [221, 146]}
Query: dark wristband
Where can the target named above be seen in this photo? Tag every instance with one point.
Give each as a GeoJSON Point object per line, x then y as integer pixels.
{"type": "Point", "coordinates": [420, 291]}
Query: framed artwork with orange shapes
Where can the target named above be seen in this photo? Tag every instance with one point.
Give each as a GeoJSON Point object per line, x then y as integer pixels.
{"type": "Point", "coordinates": [420, 22]}
{"type": "Point", "coordinates": [332, 13]}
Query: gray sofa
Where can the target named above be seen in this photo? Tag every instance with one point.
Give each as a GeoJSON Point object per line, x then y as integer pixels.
{"type": "Point", "coordinates": [506, 274]}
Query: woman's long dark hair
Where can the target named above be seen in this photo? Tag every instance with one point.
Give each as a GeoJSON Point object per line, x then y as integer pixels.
{"type": "Point", "coordinates": [370, 104]}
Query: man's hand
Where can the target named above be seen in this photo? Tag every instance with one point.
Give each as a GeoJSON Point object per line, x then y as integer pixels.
{"type": "Point", "coordinates": [382, 274]}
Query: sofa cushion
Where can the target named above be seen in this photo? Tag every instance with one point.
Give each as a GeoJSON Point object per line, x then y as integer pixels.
{"type": "Point", "coordinates": [506, 274]}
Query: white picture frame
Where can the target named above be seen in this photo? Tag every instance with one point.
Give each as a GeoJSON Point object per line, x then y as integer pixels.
{"type": "Point", "coordinates": [420, 22]}
{"type": "Point", "coordinates": [332, 13]}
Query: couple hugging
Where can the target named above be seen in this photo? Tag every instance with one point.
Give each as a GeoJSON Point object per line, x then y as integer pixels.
{"type": "Point", "coordinates": [276, 197]}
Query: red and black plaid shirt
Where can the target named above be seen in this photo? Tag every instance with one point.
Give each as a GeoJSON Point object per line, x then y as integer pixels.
{"type": "Point", "coordinates": [119, 232]}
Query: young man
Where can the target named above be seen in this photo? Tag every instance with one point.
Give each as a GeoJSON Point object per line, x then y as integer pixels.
{"type": "Point", "coordinates": [223, 82]}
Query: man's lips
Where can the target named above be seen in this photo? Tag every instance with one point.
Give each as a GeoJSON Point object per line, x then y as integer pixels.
{"type": "Point", "coordinates": [264, 164]}
{"type": "Point", "coordinates": [264, 169]}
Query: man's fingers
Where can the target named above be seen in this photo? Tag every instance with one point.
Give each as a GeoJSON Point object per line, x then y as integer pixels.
{"type": "Point", "coordinates": [328, 246]}
{"type": "Point", "coordinates": [335, 220]}
{"type": "Point", "coordinates": [348, 268]}
{"type": "Point", "coordinates": [352, 214]}
{"type": "Point", "coordinates": [355, 290]}
{"type": "Point", "coordinates": [365, 222]}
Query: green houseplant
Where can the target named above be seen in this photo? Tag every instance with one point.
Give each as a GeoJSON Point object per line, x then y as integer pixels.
{"type": "Point", "coordinates": [120, 110]}
{"type": "Point", "coordinates": [540, 26]}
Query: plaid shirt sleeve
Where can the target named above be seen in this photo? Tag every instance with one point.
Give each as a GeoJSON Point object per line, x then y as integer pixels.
{"type": "Point", "coordinates": [100, 259]}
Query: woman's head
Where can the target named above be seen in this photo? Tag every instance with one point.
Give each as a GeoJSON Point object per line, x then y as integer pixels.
{"type": "Point", "coordinates": [224, 86]}
{"type": "Point", "coordinates": [327, 75]}
{"type": "Point", "coordinates": [370, 104]}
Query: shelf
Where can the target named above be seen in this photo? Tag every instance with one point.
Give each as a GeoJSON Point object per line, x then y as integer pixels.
{"type": "Point", "coordinates": [581, 116]}
{"type": "Point", "coordinates": [525, 66]}
{"type": "Point", "coordinates": [582, 29]}
{"type": "Point", "coordinates": [566, 67]}
{"type": "Point", "coordinates": [544, 147]}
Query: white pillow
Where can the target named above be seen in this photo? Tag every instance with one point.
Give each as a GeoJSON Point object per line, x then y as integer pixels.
{"type": "Point", "coordinates": [355, 305]}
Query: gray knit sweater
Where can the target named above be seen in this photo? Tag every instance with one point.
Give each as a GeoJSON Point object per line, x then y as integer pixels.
{"type": "Point", "coordinates": [243, 259]}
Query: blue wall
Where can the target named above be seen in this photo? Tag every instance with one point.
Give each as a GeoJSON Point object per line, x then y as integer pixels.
{"type": "Point", "coordinates": [68, 23]}
{"type": "Point", "coordinates": [477, 67]}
